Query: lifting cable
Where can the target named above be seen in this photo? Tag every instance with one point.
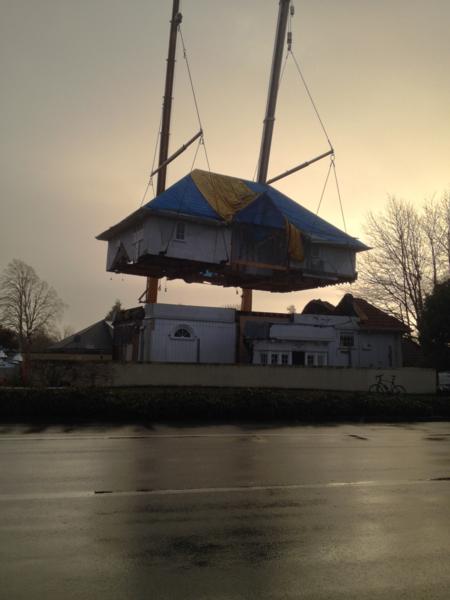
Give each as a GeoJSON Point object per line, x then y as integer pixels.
{"type": "Point", "coordinates": [185, 56]}
{"type": "Point", "coordinates": [202, 141]}
{"type": "Point", "coordinates": [323, 189]}
{"type": "Point", "coordinates": [332, 165]}
{"type": "Point", "coordinates": [183, 194]}
{"type": "Point", "coordinates": [338, 192]}
{"type": "Point", "coordinates": [150, 181]}
{"type": "Point", "coordinates": [297, 65]}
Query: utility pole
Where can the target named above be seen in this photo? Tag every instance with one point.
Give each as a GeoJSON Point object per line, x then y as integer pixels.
{"type": "Point", "coordinates": [151, 295]}
{"type": "Point", "coordinates": [269, 119]}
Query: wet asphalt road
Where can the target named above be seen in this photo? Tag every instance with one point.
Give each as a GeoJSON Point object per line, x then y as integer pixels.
{"type": "Point", "coordinates": [225, 512]}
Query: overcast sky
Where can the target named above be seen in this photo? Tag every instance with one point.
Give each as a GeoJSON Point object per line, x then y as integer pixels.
{"type": "Point", "coordinates": [82, 85]}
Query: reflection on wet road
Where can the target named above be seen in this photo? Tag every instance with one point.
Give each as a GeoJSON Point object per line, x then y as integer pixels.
{"type": "Point", "coordinates": [225, 512]}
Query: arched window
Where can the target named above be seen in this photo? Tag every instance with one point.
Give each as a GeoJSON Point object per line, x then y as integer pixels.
{"type": "Point", "coordinates": [182, 332]}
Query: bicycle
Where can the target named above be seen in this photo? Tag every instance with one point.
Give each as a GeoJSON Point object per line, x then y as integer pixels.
{"type": "Point", "coordinates": [379, 387]}
{"type": "Point", "coordinates": [382, 388]}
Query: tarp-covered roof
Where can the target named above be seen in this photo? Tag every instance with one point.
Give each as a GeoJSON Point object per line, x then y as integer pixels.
{"type": "Point", "coordinates": [229, 199]}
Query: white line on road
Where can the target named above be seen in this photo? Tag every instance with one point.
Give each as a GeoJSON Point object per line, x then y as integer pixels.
{"type": "Point", "coordinates": [214, 490]}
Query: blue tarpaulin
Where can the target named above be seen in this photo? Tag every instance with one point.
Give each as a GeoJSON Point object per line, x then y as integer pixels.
{"type": "Point", "coordinates": [270, 208]}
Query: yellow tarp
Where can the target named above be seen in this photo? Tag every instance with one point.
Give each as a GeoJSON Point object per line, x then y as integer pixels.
{"type": "Point", "coordinates": [226, 195]}
{"type": "Point", "coordinates": [295, 243]}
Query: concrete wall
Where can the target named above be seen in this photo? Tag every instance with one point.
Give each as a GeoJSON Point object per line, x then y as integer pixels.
{"type": "Point", "coordinates": [415, 381]}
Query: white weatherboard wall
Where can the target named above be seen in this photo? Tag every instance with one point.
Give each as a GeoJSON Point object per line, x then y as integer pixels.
{"type": "Point", "coordinates": [201, 242]}
{"type": "Point", "coordinates": [211, 334]}
{"type": "Point", "coordinates": [211, 242]}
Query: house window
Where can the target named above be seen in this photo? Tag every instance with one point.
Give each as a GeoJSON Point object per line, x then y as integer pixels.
{"type": "Point", "coordinates": [316, 359]}
{"type": "Point", "coordinates": [285, 359]}
{"type": "Point", "coordinates": [263, 358]}
{"type": "Point", "coordinates": [182, 332]}
{"type": "Point", "coordinates": [274, 358]}
{"type": "Point", "coordinates": [347, 340]}
{"type": "Point", "coordinates": [180, 231]}
{"type": "Point", "coordinates": [321, 360]}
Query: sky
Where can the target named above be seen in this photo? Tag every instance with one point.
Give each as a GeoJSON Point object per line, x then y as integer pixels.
{"type": "Point", "coordinates": [82, 86]}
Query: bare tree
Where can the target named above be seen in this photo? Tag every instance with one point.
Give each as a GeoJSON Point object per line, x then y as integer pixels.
{"type": "Point", "coordinates": [28, 305]}
{"type": "Point", "coordinates": [409, 256]}
{"type": "Point", "coordinates": [291, 309]}
{"type": "Point", "coordinates": [444, 236]}
{"type": "Point", "coordinates": [65, 332]}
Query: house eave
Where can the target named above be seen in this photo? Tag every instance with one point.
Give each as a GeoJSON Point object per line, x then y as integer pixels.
{"type": "Point", "coordinates": [138, 215]}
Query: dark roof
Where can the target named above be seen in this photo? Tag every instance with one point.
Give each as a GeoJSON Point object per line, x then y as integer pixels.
{"type": "Point", "coordinates": [185, 198]}
{"type": "Point", "coordinates": [95, 339]}
{"type": "Point", "coordinates": [129, 314]}
{"type": "Point", "coordinates": [370, 317]}
{"type": "Point", "coordinates": [318, 307]}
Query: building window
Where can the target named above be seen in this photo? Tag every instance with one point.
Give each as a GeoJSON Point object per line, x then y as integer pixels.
{"type": "Point", "coordinates": [285, 359]}
{"type": "Point", "coordinates": [347, 340]}
{"type": "Point", "coordinates": [182, 332]}
{"type": "Point", "coordinates": [310, 360]}
{"type": "Point", "coordinates": [180, 231]}
{"type": "Point", "coordinates": [316, 359]}
{"type": "Point", "coordinates": [321, 360]}
{"type": "Point", "coordinates": [274, 358]}
{"type": "Point", "coordinates": [263, 358]}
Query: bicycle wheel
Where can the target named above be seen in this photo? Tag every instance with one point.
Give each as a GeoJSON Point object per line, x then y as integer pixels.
{"type": "Point", "coordinates": [398, 389]}
{"type": "Point", "coordinates": [378, 388]}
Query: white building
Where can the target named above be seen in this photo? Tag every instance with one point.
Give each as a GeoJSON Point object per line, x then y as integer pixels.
{"type": "Point", "coordinates": [363, 336]}
{"type": "Point", "coordinates": [191, 334]}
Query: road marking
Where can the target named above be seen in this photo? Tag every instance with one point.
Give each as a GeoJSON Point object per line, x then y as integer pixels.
{"type": "Point", "coordinates": [215, 490]}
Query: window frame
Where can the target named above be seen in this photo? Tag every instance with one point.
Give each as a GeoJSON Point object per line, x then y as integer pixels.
{"type": "Point", "coordinates": [349, 336]}
{"type": "Point", "coordinates": [315, 359]}
{"type": "Point", "coordinates": [180, 231]}
{"type": "Point", "coordinates": [182, 338]}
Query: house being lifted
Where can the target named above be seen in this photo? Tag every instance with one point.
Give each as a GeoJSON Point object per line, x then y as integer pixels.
{"type": "Point", "coordinates": [231, 232]}
{"type": "Point", "coordinates": [227, 231]}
